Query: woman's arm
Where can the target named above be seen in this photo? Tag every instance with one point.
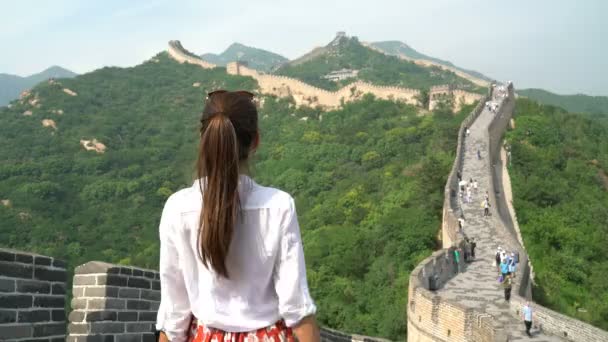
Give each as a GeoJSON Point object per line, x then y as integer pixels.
{"type": "Point", "coordinates": [307, 330]}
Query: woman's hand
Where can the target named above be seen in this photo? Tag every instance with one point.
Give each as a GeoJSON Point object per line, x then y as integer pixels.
{"type": "Point", "coordinates": [162, 337]}
{"type": "Point", "coordinates": [307, 330]}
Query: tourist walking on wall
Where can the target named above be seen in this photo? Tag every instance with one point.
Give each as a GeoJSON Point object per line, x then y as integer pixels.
{"type": "Point", "coordinates": [473, 246]}
{"type": "Point", "coordinates": [214, 285]}
{"type": "Point", "coordinates": [497, 258]}
{"type": "Point", "coordinates": [512, 264]}
{"type": "Point", "coordinates": [504, 268]}
{"type": "Point", "coordinates": [526, 314]}
{"type": "Point", "coordinates": [478, 154]}
{"type": "Point", "coordinates": [457, 259]}
{"type": "Point", "coordinates": [461, 224]}
{"type": "Point", "coordinates": [486, 208]}
{"type": "Point", "coordinates": [475, 185]}
{"type": "Point", "coordinates": [507, 284]}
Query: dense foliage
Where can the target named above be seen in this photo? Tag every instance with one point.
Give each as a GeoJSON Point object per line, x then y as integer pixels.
{"type": "Point", "coordinates": [560, 182]}
{"type": "Point", "coordinates": [12, 85]}
{"type": "Point", "coordinates": [367, 180]}
{"type": "Point", "coordinates": [578, 103]}
{"type": "Point", "coordinates": [255, 58]}
{"type": "Point", "coordinates": [373, 66]}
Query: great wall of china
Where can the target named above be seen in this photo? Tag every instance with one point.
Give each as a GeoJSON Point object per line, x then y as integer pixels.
{"type": "Point", "coordinates": [308, 95]}
{"type": "Point", "coordinates": [118, 303]}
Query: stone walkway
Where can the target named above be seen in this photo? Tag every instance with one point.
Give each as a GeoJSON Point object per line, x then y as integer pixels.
{"type": "Point", "coordinates": [477, 286]}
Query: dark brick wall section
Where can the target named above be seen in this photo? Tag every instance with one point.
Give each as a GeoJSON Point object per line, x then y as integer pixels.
{"type": "Point", "coordinates": [113, 303]}
{"type": "Point", "coordinates": [32, 297]}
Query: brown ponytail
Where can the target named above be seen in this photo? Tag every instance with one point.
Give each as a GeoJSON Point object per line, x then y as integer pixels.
{"type": "Point", "coordinates": [228, 130]}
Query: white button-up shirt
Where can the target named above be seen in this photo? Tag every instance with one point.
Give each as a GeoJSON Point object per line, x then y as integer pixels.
{"type": "Point", "coordinates": [265, 262]}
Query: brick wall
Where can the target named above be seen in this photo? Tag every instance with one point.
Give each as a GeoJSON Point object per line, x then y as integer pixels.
{"type": "Point", "coordinates": [113, 303]}
{"type": "Point", "coordinates": [32, 297]}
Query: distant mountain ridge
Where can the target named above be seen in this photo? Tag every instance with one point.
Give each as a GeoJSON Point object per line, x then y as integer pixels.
{"type": "Point", "coordinates": [397, 48]}
{"type": "Point", "coordinates": [577, 103]}
{"type": "Point", "coordinates": [258, 59]}
{"type": "Point", "coordinates": [12, 85]}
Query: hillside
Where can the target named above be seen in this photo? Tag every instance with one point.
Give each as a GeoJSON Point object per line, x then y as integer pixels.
{"type": "Point", "coordinates": [398, 48]}
{"type": "Point", "coordinates": [12, 85]}
{"type": "Point", "coordinates": [559, 174]}
{"type": "Point", "coordinates": [372, 66]}
{"type": "Point", "coordinates": [368, 179]}
{"type": "Point", "coordinates": [578, 103]}
{"type": "Point", "coordinates": [258, 59]}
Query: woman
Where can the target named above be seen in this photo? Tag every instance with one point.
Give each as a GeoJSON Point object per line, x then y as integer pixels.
{"type": "Point", "coordinates": [231, 258]}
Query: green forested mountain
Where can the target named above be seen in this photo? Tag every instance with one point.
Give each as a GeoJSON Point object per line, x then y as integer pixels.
{"type": "Point", "coordinates": [578, 103]}
{"type": "Point", "coordinates": [255, 58]}
{"type": "Point", "coordinates": [393, 47]}
{"type": "Point", "coordinates": [368, 179]}
{"type": "Point", "coordinates": [11, 85]}
{"type": "Point", "coordinates": [373, 66]}
{"type": "Point", "coordinates": [559, 175]}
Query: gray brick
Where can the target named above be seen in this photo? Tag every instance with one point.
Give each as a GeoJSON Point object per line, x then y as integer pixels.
{"type": "Point", "coordinates": [33, 286]}
{"type": "Point", "coordinates": [49, 301]}
{"type": "Point", "coordinates": [15, 301]}
{"type": "Point", "coordinates": [42, 260]}
{"type": "Point", "coordinates": [107, 327]}
{"type": "Point", "coordinates": [154, 306]}
{"type": "Point", "coordinates": [34, 316]}
{"type": "Point", "coordinates": [156, 285]}
{"type": "Point", "coordinates": [58, 315]}
{"type": "Point", "coordinates": [129, 293]}
{"type": "Point", "coordinates": [102, 291]}
{"type": "Point", "coordinates": [106, 303]}
{"type": "Point", "coordinates": [58, 289]}
{"type": "Point", "coordinates": [149, 274]}
{"type": "Point", "coordinates": [129, 338]}
{"type": "Point", "coordinates": [138, 305]}
{"type": "Point", "coordinates": [148, 337]}
{"type": "Point", "coordinates": [42, 273]}
{"type": "Point", "coordinates": [79, 303]}
{"type": "Point", "coordinates": [138, 283]}
{"type": "Point", "coordinates": [78, 291]}
{"type": "Point", "coordinates": [7, 285]}
{"type": "Point", "coordinates": [76, 316]}
{"type": "Point", "coordinates": [59, 263]}
{"type": "Point", "coordinates": [150, 295]}
{"type": "Point", "coordinates": [147, 316]}
{"type": "Point", "coordinates": [49, 329]}
{"type": "Point", "coordinates": [139, 327]}
{"type": "Point", "coordinates": [95, 316]}
{"type": "Point", "coordinates": [6, 255]}
{"type": "Point", "coordinates": [10, 316]}
{"type": "Point", "coordinates": [78, 328]}
{"type": "Point", "coordinates": [16, 270]}
{"type": "Point", "coordinates": [138, 272]}
{"type": "Point", "coordinates": [113, 280]}
{"type": "Point", "coordinates": [126, 271]}
{"type": "Point", "coordinates": [85, 280]}
{"type": "Point", "coordinates": [127, 316]}
{"type": "Point", "coordinates": [24, 258]}
{"type": "Point", "coordinates": [15, 331]}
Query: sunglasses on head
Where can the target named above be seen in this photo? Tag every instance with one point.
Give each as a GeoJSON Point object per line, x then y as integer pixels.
{"type": "Point", "coordinates": [238, 92]}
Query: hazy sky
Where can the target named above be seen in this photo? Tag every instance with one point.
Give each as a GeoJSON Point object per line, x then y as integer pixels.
{"type": "Point", "coordinates": [553, 44]}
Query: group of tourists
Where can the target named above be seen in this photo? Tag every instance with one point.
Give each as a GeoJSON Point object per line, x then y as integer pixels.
{"type": "Point", "coordinates": [506, 264]}
{"type": "Point", "coordinates": [467, 189]}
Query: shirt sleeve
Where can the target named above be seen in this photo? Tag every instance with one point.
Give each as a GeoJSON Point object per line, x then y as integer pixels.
{"type": "Point", "coordinates": [174, 313]}
{"type": "Point", "coordinates": [290, 282]}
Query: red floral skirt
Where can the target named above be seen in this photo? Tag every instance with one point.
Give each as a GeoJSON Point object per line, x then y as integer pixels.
{"type": "Point", "coordinates": [277, 332]}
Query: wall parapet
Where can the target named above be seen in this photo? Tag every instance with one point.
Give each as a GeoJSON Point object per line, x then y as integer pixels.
{"type": "Point", "coordinates": [32, 297]}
